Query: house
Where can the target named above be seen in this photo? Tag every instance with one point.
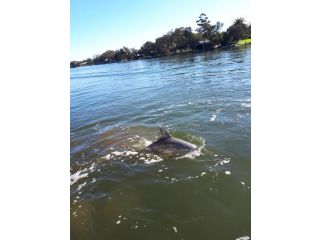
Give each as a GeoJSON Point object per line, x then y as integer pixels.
{"type": "Point", "coordinates": [204, 45]}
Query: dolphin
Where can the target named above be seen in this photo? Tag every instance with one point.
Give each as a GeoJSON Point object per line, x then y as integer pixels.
{"type": "Point", "coordinates": [167, 144]}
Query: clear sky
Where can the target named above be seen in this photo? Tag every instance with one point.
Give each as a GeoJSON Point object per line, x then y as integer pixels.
{"type": "Point", "coordinates": [99, 25]}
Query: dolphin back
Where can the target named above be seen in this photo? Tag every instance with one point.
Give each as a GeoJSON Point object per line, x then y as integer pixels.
{"type": "Point", "coordinates": [168, 144]}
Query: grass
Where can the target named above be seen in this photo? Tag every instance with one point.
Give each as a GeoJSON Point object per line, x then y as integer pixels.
{"type": "Point", "coordinates": [244, 42]}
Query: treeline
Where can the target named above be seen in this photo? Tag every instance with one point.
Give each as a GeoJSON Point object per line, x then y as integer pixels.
{"type": "Point", "coordinates": [206, 37]}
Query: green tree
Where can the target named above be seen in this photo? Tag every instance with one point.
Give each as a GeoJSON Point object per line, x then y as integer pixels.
{"type": "Point", "coordinates": [239, 21]}
{"type": "Point", "coordinates": [208, 31]}
{"type": "Point", "coordinates": [238, 30]}
{"type": "Point", "coordinates": [148, 48]}
{"type": "Point", "coordinates": [108, 55]}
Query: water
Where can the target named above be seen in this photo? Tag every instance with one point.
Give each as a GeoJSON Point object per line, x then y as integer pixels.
{"type": "Point", "coordinates": [120, 191]}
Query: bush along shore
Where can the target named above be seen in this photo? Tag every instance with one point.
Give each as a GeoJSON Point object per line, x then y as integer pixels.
{"type": "Point", "coordinates": [180, 40]}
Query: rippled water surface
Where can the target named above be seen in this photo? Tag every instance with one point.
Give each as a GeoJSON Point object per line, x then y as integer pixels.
{"type": "Point", "coordinates": [121, 191]}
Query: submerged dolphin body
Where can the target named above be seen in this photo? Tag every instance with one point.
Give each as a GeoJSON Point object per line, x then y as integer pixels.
{"type": "Point", "coordinates": [168, 144]}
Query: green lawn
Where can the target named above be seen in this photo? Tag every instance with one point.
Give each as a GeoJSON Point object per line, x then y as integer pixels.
{"type": "Point", "coordinates": [244, 42]}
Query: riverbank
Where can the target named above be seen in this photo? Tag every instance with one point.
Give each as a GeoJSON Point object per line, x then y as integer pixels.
{"type": "Point", "coordinates": [204, 48]}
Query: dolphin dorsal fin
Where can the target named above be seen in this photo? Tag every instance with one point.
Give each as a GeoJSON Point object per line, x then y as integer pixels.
{"type": "Point", "coordinates": [164, 133]}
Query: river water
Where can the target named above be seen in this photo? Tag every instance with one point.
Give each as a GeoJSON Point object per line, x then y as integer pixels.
{"type": "Point", "coordinates": [120, 191]}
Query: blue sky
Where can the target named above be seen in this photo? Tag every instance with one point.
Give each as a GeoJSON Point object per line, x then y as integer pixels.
{"type": "Point", "coordinates": [99, 25]}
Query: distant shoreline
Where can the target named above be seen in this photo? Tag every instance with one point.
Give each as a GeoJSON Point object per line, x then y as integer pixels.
{"type": "Point", "coordinates": [179, 41]}
{"type": "Point", "coordinates": [235, 45]}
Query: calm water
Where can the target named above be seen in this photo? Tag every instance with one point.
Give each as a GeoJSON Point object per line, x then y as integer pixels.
{"type": "Point", "coordinates": [119, 191]}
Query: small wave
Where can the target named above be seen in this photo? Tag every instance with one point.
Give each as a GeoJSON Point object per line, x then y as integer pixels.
{"type": "Point", "coordinates": [213, 117]}
{"type": "Point", "coordinates": [246, 105]}
{"type": "Point", "coordinates": [195, 153]}
{"type": "Point", "coordinates": [81, 185]}
{"type": "Point", "coordinates": [243, 238]}
{"type": "Point", "coordinates": [77, 176]}
{"type": "Point", "coordinates": [151, 158]}
{"type": "Point", "coordinates": [124, 153]}
{"type": "Point", "coordinates": [142, 143]}
{"type": "Point", "coordinates": [147, 158]}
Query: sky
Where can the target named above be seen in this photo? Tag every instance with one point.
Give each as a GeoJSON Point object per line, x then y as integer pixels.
{"type": "Point", "coordinates": [100, 25]}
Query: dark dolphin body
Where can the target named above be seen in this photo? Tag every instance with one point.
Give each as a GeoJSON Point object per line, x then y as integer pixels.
{"type": "Point", "coordinates": [168, 144]}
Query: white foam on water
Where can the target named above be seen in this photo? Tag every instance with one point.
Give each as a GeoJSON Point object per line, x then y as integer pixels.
{"type": "Point", "coordinates": [246, 105]}
{"type": "Point", "coordinates": [127, 153]}
{"type": "Point", "coordinates": [117, 153]}
{"type": "Point", "coordinates": [160, 170]}
{"type": "Point", "coordinates": [124, 153]}
{"type": "Point", "coordinates": [91, 167]}
{"type": "Point", "coordinates": [152, 159]}
{"type": "Point", "coordinates": [81, 185]}
{"type": "Point", "coordinates": [243, 238]}
{"type": "Point", "coordinates": [213, 118]}
{"type": "Point", "coordinates": [227, 160]}
{"type": "Point", "coordinates": [146, 142]}
{"type": "Point", "coordinates": [108, 156]}
{"type": "Point", "coordinates": [195, 153]}
{"type": "Point", "coordinates": [142, 143]}
{"type": "Point", "coordinates": [76, 176]}
{"type": "Point", "coordinates": [227, 172]}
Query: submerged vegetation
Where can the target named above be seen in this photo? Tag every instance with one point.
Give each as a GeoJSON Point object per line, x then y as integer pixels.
{"type": "Point", "coordinates": [180, 40]}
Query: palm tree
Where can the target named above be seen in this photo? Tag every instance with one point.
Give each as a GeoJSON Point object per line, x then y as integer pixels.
{"type": "Point", "coordinates": [239, 21]}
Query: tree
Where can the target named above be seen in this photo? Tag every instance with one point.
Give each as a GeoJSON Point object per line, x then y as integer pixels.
{"type": "Point", "coordinates": [108, 55]}
{"type": "Point", "coordinates": [147, 48]}
{"type": "Point", "coordinates": [239, 21]}
{"type": "Point", "coordinates": [238, 30]}
{"type": "Point", "coordinates": [89, 61]}
{"type": "Point", "coordinates": [74, 64]}
{"type": "Point", "coordinates": [208, 31]}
